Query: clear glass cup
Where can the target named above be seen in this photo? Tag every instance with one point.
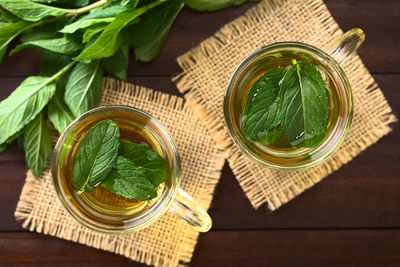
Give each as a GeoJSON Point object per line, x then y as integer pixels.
{"type": "Point", "coordinates": [252, 67]}
{"type": "Point", "coordinates": [172, 199]}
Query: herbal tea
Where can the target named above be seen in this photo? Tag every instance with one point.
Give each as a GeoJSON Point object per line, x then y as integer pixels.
{"type": "Point", "coordinates": [290, 105]}
{"type": "Point", "coordinates": [130, 174]}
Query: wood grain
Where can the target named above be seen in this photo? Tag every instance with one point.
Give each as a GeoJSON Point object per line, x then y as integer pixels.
{"type": "Point", "coordinates": [349, 219]}
{"type": "Point", "coordinates": [225, 248]}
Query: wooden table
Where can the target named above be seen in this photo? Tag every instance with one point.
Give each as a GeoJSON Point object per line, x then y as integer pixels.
{"type": "Point", "coordinates": [352, 218]}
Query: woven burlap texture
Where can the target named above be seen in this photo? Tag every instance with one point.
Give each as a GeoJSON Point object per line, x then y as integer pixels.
{"type": "Point", "coordinates": [208, 68]}
{"type": "Point", "coordinates": [169, 241]}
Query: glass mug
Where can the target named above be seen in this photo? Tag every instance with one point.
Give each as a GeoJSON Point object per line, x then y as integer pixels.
{"type": "Point", "coordinates": [106, 218]}
{"type": "Point", "coordinates": [341, 99]}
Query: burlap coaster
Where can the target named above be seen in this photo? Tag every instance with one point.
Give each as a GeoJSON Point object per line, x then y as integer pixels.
{"type": "Point", "coordinates": [169, 241]}
{"type": "Point", "coordinates": [208, 67]}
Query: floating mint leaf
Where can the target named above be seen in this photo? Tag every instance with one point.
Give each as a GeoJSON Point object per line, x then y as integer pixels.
{"type": "Point", "coordinates": [261, 113]}
{"type": "Point", "coordinates": [304, 102]}
{"type": "Point", "coordinates": [146, 159]}
{"type": "Point", "coordinates": [271, 136]}
{"type": "Point", "coordinates": [129, 181]}
{"type": "Point", "coordinates": [96, 156]}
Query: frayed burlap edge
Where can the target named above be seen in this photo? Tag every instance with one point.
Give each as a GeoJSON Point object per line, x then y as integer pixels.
{"type": "Point", "coordinates": [27, 202]}
{"type": "Point", "coordinates": [186, 85]}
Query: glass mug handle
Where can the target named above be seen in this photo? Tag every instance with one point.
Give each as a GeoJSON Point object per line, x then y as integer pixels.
{"type": "Point", "coordinates": [345, 45]}
{"type": "Point", "coordinates": [188, 210]}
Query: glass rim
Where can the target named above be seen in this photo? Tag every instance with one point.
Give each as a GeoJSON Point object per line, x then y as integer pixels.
{"type": "Point", "coordinates": [143, 220]}
{"type": "Point", "coordinates": [276, 47]}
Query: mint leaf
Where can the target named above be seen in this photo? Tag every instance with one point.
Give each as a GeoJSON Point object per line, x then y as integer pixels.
{"type": "Point", "coordinates": [108, 42]}
{"type": "Point", "coordinates": [58, 112]}
{"type": "Point", "coordinates": [24, 104]}
{"type": "Point", "coordinates": [37, 144]}
{"type": "Point", "coordinates": [272, 136]}
{"type": "Point", "coordinates": [76, 3]}
{"type": "Point", "coordinates": [8, 32]}
{"type": "Point", "coordinates": [65, 3]}
{"type": "Point", "coordinates": [212, 5]}
{"type": "Point", "coordinates": [150, 49]}
{"type": "Point", "coordinates": [107, 11]}
{"type": "Point", "coordinates": [6, 17]}
{"type": "Point", "coordinates": [304, 101]}
{"type": "Point", "coordinates": [96, 156]}
{"type": "Point", "coordinates": [129, 181]}
{"type": "Point", "coordinates": [117, 64]}
{"type": "Point", "coordinates": [11, 139]}
{"type": "Point", "coordinates": [82, 24]}
{"type": "Point", "coordinates": [31, 11]}
{"type": "Point", "coordinates": [260, 114]}
{"type": "Point", "coordinates": [51, 63]}
{"type": "Point", "coordinates": [83, 90]}
{"type": "Point", "coordinates": [146, 159]}
{"type": "Point", "coordinates": [45, 31]}
{"type": "Point", "coordinates": [62, 45]}
{"type": "Point", "coordinates": [150, 23]}
{"type": "Point", "coordinates": [129, 3]}
{"type": "Point", "coordinates": [4, 146]}
{"type": "Point", "coordinates": [92, 31]}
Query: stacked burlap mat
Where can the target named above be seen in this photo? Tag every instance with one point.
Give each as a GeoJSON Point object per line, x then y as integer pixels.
{"type": "Point", "coordinates": [208, 68]}
{"type": "Point", "coordinates": [169, 241]}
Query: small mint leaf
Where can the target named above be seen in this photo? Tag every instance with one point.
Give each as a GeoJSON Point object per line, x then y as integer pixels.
{"type": "Point", "coordinates": [145, 158]}
{"type": "Point", "coordinates": [129, 181]}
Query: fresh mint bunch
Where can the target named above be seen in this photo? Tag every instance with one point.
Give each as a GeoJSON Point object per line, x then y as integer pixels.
{"type": "Point", "coordinates": [81, 40]}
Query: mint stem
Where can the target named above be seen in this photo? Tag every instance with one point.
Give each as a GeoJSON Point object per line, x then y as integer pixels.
{"type": "Point", "coordinates": [63, 70]}
{"type": "Point", "coordinates": [60, 72]}
{"type": "Point", "coordinates": [90, 7]}
{"type": "Point", "coordinates": [82, 10]}
{"type": "Point", "coordinates": [71, 13]}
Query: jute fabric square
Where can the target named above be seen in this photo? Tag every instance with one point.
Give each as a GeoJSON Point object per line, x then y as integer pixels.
{"type": "Point", "coordinates": [208, 68]}
{"type": "Point", "coordinates": [169, 241]}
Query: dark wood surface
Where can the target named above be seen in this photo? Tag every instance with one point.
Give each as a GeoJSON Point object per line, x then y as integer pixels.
{"type": "Point", "coordinates": [352, 218]}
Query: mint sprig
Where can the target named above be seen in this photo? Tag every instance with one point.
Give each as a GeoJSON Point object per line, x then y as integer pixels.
{"type": "Point", "coordinates": [124, 168]}
{"type": "Point", "coordinates": [293, 102]}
